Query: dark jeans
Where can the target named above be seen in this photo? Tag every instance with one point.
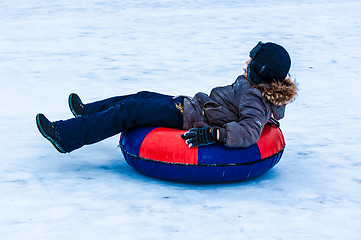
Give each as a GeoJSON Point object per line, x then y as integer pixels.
{"type": "Point", "coordinates": [106, 118]}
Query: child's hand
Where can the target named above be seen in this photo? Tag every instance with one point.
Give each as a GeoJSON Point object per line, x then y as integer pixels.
{"type": "Point", "coordinates": [200, 136]}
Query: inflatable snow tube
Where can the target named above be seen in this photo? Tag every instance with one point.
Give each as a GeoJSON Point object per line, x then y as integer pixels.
{"type": "Point", "coordinates": [161, 153]}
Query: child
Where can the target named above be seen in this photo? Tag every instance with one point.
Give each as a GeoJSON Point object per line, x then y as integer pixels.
{"type": "Point", "coordinates": [234, 115]}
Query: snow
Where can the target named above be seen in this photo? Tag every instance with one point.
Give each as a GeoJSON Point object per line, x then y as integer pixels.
{"type": "Point", "coordinates": [99, 49]}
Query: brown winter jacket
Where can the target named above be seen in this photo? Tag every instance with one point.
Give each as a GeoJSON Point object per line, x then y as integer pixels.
{"type": "Point", "coordinates": [239, 110]}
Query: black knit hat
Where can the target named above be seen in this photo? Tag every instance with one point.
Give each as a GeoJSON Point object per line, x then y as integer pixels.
{"type": "Point", "coordinates": [270, 62]}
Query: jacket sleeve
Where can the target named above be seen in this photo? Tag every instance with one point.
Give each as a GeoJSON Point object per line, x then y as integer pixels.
{"type": "Point", "coordinates": [278, 112]}
{"type": "Point", "coordinates": [252, 118]}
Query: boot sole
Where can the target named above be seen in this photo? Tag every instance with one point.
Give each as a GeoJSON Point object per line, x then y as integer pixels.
{"type": "Point", "coordinates": [41, 130]}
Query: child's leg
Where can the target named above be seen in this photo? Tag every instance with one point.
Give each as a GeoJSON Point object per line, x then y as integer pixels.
{"type": "Point", "coordinates": [102, 105]}
{"type": "Point", "coordinates": [160, 110]}
{"type": "Point", "coordinates": [105, 104]}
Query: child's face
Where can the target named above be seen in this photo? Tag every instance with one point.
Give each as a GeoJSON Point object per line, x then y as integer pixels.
{"type": "Point", "coordinates": [245, 70]}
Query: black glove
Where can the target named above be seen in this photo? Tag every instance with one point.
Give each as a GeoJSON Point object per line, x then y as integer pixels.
{"type": "Point", "coordinates": [200, 136]}
{"type": "Point", "coordinates": [273, 121]}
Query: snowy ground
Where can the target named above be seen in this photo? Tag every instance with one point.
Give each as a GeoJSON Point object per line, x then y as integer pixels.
{"type": "Point", "coordinates": [98, 49]}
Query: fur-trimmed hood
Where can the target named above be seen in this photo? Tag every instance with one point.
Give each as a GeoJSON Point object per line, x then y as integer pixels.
{"type": "Point", "coordinates": [279, 93]}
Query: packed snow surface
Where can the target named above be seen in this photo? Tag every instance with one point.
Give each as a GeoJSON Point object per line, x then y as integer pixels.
{"type": "Point", "coordinates": [99, 49]}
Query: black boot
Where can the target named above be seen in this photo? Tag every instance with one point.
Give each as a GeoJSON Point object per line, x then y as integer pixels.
{"type": "Point", "coordinates": [47, 129]}
{"type": "Point", "coordinates": [76, 106]}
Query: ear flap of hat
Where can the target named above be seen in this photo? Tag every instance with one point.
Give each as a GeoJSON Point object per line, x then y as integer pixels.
{"type": "Point", "coordinates": [252, 75]}
{"type": "Point", "coordinates": [263, 72]}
